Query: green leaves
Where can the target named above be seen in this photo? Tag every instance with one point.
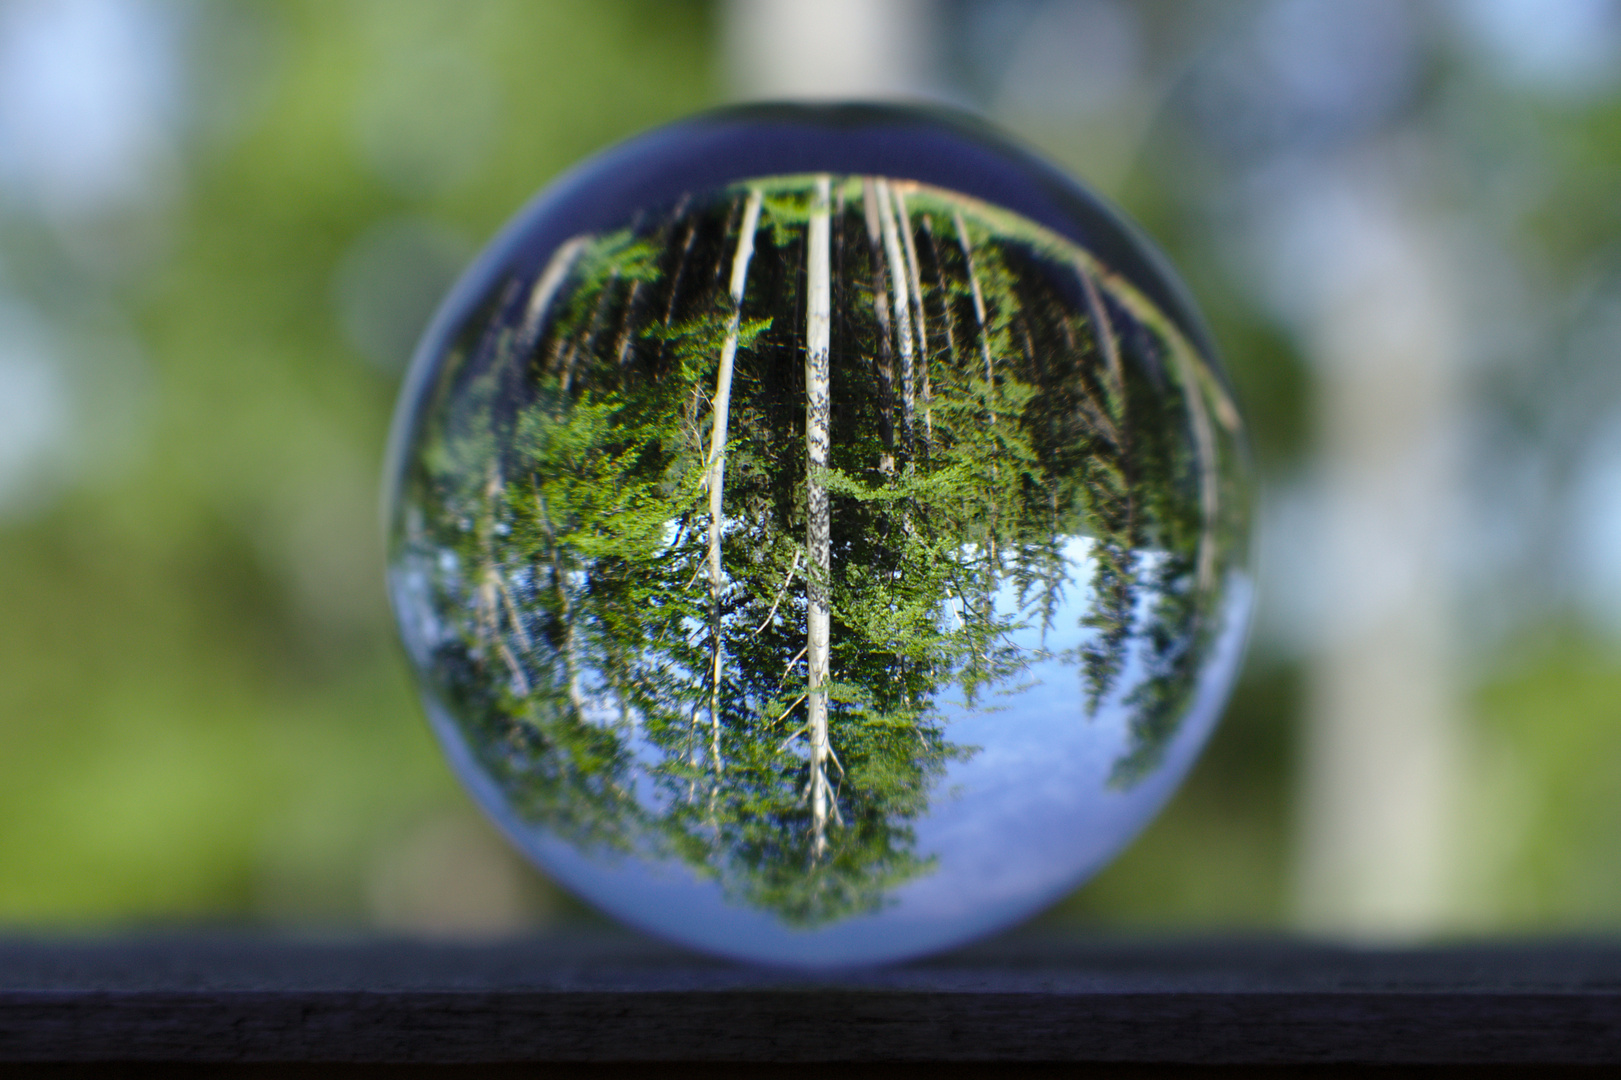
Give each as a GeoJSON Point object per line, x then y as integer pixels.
{"type": "Point", "coordinates": [698, 341]}
{"type": "Point", "coordinates": [578, 478]}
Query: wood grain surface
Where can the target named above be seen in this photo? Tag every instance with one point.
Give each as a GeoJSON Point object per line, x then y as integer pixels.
{"type": "Point", "coordinates": [598, 998]}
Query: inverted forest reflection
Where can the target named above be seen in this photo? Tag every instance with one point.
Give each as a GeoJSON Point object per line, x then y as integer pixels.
{"type": "Point", "coordinates": [713, 529]}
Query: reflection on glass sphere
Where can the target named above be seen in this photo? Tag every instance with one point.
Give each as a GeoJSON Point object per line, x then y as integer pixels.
{"type": "Point", "coordinates": [820, 533]}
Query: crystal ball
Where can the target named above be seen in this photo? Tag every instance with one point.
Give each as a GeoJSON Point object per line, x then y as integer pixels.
{"type": "Point", "coordinates": [820, 533]}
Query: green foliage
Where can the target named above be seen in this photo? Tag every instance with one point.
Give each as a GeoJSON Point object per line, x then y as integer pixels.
{"type": "Point", "coordinates": [569, 481]}
{"type": "Point", "coordinates": [1547, 751]}
{"type": "Point", "coordinates": [203, 712]}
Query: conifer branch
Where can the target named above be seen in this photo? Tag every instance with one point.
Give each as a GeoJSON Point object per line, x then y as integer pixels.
{"type": "Point", "coordinates": [520, 681]}
{"type": "Point", "coordinates": [786, 581]}
{"type": "Point", "coordinates": [789, 667]}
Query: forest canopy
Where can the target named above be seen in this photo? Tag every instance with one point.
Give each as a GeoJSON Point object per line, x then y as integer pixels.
{"type": "Point", "coordinates": [711, 523]}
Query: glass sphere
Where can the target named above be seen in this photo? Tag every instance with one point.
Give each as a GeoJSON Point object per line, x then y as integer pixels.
{"type": "Point", "coordinates": [820, 533]}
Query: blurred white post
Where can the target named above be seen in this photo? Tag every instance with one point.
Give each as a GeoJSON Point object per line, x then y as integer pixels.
{"type": "Point", "coordinates": [778, 49]}
{"type": "Point", "coordinates": [1382, 743]}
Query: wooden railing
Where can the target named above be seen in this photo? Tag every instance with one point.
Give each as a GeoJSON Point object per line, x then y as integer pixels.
{"type": "Point", "coordinates": [233, 1004]}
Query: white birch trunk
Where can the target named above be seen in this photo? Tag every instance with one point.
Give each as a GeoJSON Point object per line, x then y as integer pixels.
{"type": "Point", "coordinates": [880, 302]}
{"type": "Point", "coordinates": [945, 293]}
{"type": "Point", "coordinates": [919, 316]}
{"type": "Point", "coordinates": [622, 346]}
{"type": "Point", "coordinates": [991, 560]}
{"type": "Point", "coordinates": [903, 311]}
{"type": "Point", "coordinates": [492, 598]}
{"type": "Point", "coordinates": [818, 526]}
{"type": "Point", "coordinates": [545, 291]}
{"type": "Point", "coordinates": [592, 329]}
{"type": "Point", "coordinates": [1204, 446]}
{"type": "Point", "coordinates": [680, 266]}
{"type": "Point", "coordinates": [979, 295]}
{"type": "Point", "coordinates": [565, 609]}
{"type": "Point", "coordinates": [1108, 343]}
{"type": "Point", "coordinates": [716, 477]}
{"type": "Point", "coordinates": [1109, 417]}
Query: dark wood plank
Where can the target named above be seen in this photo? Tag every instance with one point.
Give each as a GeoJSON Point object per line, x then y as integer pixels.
{"type": "Point", "coordinates": [243, 999]}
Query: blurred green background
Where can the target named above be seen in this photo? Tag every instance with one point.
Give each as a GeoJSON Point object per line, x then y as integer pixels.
{"type": "Point", "coordinates": [222, 225]}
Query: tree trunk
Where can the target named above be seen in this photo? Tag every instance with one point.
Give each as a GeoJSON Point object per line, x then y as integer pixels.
{"type": "Point", "coordinates": [979, 296]}
{"type": "Point", "coordinates": [594, 328]}
{"type": "Point", "coordinates": [627, 324]}
{"type": "Point", "coordinates": [884, 361]}
{"type": "Point", "coordinates": [1108, 344]}
{"type": "Point", "coordinates": [920, 315]}
{"type": "Point", "coordinates": [491, 597]}
{"type": "Point", "coordinates": [716, 478]}
{"type": "Point", "coordinates": [545, 291]}
{"type": "Point", "coordinates": [680, 270]}
{"type": "Point", "coordinates": [565, 608]}
{"type": "Point", "coordinates": [991, 554]}
{"type": "Point", "coordinates": [949, 318]}
{"type": "Point", "coordinates": [903, 313]}
{"type": "Point", "coordinates": [1115, 391]}
{"type": "Point", "coordinates": [1204, 446]}
{"type": "Point", "coordinates": [818, 525]}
